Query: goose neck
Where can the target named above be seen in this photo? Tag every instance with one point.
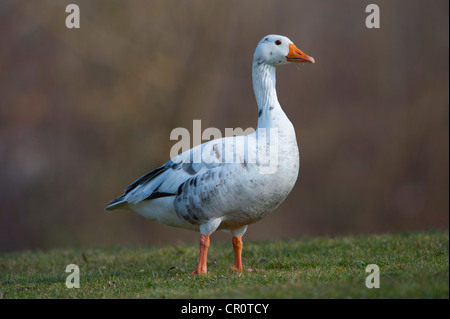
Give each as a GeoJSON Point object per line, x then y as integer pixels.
{"type": "Point", "coordinates": [270, 113]}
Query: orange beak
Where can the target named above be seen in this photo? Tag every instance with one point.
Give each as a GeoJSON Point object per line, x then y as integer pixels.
{"type": "Point", "coordinates": [295, 55]}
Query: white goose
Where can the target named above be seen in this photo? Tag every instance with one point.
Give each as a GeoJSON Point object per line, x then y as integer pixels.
{"type": "Point", "coordinates": [225, 183]}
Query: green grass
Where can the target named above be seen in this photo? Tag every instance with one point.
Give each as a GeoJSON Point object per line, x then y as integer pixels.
{"type": "Point", "coordinates": [412, 265]}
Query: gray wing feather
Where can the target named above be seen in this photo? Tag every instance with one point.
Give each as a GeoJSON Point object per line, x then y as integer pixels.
{"type": "Point", "coordinates": [202, 189]}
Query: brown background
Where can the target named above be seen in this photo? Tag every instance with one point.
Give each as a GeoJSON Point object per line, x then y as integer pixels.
{"type": "Point", "coordinates": [85, 112]}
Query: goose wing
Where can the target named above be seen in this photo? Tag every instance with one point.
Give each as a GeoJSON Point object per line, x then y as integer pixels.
{"type": "Point", "coordinates": [200, 178]}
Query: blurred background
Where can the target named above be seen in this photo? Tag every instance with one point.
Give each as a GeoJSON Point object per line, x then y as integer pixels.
{"type": "Point", "coordinates": [84, 112]}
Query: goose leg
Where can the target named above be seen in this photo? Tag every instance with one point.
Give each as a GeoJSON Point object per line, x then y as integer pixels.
{"type": "Point", "coordinates": [237, 247]}
{"type": "Point", "coordinates": [204, 244]}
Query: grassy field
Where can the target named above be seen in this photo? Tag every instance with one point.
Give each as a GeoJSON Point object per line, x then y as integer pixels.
{"type": "Point", "coordinates": [412, 265]}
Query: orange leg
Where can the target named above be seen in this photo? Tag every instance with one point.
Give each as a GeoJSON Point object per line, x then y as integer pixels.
{"type": "Point", "coordinates": [237, 246]}
{"type": "Point", "coordinates": [204, 244]}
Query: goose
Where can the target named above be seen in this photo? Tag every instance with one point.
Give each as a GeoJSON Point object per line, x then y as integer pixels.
{"type": "Point", "coordinates": [232, 182]}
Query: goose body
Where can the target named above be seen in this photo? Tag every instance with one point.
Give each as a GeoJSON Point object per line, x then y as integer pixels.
{"type": "Point", "coordinates": [232, 182]}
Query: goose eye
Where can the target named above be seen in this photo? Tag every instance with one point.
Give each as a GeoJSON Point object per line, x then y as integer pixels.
{"type": "Point", "coordinates": [278, 42]}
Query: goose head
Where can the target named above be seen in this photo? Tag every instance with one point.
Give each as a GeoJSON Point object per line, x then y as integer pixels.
{"type": "Point", "coordinates": [277, 50]}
